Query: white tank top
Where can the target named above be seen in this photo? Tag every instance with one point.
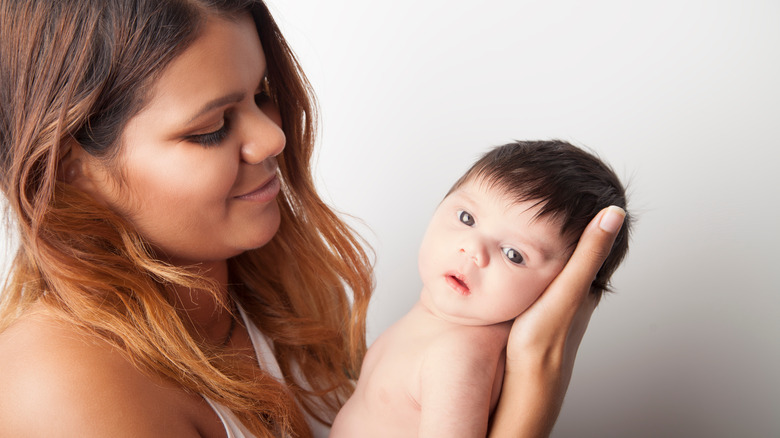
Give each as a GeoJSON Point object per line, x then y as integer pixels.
{"type": "Point", "coordinates": [267, 360]}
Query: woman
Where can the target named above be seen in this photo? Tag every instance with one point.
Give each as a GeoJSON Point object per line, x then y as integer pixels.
{"type": "Point", "coordinates": [178, 275]}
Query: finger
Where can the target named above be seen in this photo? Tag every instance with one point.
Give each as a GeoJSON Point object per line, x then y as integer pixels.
{"type": "Point", "coordinates": [593, 248]}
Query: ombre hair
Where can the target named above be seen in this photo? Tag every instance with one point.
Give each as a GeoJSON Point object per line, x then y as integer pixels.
{"type": "Point", "coordinates": [569, 184]}
{"type": "Point", "coordinates": [77, 71]}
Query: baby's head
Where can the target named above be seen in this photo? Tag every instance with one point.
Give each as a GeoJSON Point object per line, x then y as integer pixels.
{"type": "Point", "coordinates": [569, 184]}
{"type": "Point", "coordinates": [509, 225]}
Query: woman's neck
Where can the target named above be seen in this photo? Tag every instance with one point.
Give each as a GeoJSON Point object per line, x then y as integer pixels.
{"type": "Point", "coordinates": [212, 322]}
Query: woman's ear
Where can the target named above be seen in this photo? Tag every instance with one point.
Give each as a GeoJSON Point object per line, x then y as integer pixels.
{"type": "Point", "coordinates": [75, 166]}
{"type": "Point", "coordinates": [70, 166]}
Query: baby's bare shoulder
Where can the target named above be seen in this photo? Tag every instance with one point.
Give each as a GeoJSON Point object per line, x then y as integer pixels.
{"type": "Point", "coordinates": [461, 369]}
{"type": "Point", "coordinates": [471, 343]}
{"type": "Point", "coordinates": [495, 334]}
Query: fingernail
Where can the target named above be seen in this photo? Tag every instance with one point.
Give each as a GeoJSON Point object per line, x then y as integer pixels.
{"type": "Point", "coordinates": [612, 219]}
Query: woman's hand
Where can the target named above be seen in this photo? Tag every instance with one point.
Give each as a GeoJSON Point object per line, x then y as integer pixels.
{"type": "Point", "coordinates": [544, 339]}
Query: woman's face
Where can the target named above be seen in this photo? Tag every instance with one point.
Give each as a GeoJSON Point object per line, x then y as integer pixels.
{"type": "Point", "coordinates": [198, 168]}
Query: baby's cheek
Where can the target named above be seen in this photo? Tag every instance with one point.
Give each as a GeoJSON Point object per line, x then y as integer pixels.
{"type": "Point", "coordinates": [552, 271]}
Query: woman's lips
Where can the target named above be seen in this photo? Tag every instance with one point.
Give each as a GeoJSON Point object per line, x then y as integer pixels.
{"type": "Point", "coordinates": [265, 193]}
{"type": "Point", "coordinates": [458, 283]}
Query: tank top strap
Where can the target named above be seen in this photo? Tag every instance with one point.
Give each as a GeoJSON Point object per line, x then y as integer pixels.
{"type": "Point", "coordinates": [265, 357]}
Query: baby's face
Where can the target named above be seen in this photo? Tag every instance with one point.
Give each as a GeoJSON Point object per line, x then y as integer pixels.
{"type": "Point", "coordinates": [485, 259]}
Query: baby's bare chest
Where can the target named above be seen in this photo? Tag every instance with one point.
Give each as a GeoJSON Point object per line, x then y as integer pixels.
{"type": "Point", "coordinates": [391, 372]}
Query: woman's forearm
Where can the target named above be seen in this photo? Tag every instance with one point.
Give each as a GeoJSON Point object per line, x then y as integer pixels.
{"type": "Point", "coordinates": [544, 340]}
{"type": "Point", "coordinates": [529, 403]}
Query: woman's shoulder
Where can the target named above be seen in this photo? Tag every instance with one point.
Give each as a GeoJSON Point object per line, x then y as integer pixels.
{"type": "Point", "coordinates": [55, 377]}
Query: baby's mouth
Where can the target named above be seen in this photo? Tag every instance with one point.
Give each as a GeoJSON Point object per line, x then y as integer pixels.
{"type": "Point", "coordinates": [458, 283]}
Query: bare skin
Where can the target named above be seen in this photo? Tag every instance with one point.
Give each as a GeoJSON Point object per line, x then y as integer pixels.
{"type": "Point", "coordinates": [438, 371]}
{"type": "Point", "coordinates": [58, 381]}
{"type": "Point", "coordinates": [406, 391]}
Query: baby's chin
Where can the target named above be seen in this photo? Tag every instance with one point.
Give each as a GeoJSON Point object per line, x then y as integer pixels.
{"type": "Point", "coordinates": [474, 320]}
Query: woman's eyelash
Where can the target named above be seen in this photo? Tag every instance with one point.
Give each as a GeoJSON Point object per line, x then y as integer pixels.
{"type": "Point", "coordinates": [264, 93]}
{"type": "Point", "coordinates": [212, 138]}
{"type": "Point", "coordinates": [262, 97]}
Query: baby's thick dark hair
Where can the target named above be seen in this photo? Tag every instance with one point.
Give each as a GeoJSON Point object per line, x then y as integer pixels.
{"type": "Point", "coordinates": [570, 184]}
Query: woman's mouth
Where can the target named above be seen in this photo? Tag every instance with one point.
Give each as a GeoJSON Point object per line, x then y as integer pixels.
{"type": "Point", "coordinates": [265, 193]}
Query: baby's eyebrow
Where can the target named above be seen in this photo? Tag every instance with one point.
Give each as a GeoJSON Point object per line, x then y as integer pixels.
{"type": "Point", "coordinates": [539, 245]}
{"type": "Point", "coordinates": [546, 252]}
{"type": "Point", "coordinates": [466, 197]}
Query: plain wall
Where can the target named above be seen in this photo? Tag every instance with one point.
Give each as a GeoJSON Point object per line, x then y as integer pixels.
{"type": "Point", "coordinates": [681, 97]}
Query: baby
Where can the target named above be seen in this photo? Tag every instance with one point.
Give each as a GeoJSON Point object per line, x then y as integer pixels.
{"type": "Point", "coordinates": [499, 237]}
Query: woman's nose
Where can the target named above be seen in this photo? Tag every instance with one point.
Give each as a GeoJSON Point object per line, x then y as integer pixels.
{"type": "Point", "coordinates": [264, 137]}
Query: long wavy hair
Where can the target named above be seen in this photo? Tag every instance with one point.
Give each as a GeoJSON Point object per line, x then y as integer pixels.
{"type": "Point", "coordinates": [78, 70]}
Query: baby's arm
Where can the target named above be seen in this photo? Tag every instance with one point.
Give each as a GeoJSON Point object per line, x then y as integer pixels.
{"type": "Point", "coordinates": [457, 381]}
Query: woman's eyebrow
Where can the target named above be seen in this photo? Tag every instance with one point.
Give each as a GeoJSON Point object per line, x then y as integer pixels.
{"type": "Point", "coordinates": [216, 103]}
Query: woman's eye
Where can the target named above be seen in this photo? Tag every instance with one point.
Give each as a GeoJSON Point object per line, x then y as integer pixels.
{"type": "Point", "coordinates": [262, 98]}
{"type": "Point", "coordinates": [514, 256]}
{"type": "Point", "coordinates": [211, 138]}
{"type": "Point", "coordinates": [264, 93]}
{"type": "Point", "coordinates": [465, 217]}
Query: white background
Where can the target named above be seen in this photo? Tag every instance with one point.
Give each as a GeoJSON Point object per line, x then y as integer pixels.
{"type": "Point", "coordinates": [681, 97]}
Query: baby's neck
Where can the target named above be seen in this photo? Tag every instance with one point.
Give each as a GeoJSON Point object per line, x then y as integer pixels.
{"type": "Point", "coordinates": [425, 309]}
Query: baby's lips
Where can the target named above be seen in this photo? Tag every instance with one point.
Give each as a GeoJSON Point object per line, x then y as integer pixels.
{"type": "Point", "coordinates": [459, 283]}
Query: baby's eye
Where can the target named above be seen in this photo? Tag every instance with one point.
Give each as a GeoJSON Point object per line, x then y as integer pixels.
{"type": "Point", "coordinates": [465, 217]}
{"type": "Point", "coordinates": [513, 255]}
